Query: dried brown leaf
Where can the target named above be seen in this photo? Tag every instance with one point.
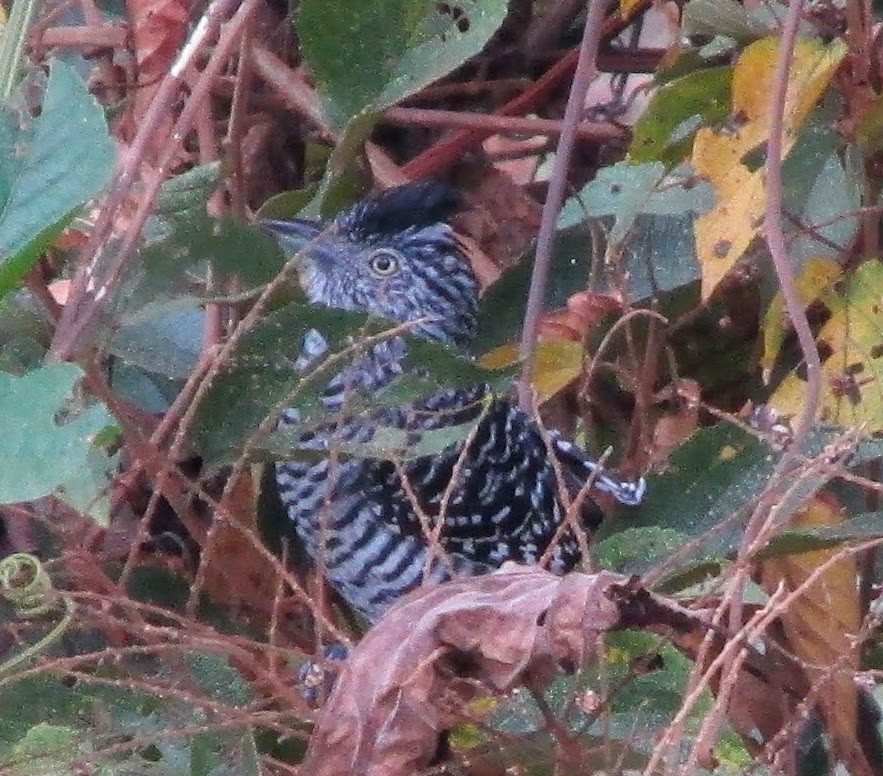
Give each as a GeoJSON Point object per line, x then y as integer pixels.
{"type": "Point", "coordinates": [159, 28]}
{"type": "Point", "coordinates": [392, 699]}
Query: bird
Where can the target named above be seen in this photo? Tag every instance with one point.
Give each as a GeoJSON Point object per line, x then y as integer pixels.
{"type": "Point", "coordinates": [373, 526]}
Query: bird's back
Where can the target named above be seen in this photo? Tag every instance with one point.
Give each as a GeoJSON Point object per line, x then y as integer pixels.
{"type": "Point", "coordinates": [379, 528]}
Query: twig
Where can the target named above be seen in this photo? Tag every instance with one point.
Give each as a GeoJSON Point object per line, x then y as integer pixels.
{"type": "Point", "coordinates": [425, 117]}
{"type": "Point", "coordinates": [775, 234]}
{"type": "Point", "coordinates": [236, 125]}
{"type": "Point", "coordinates": [290, 85]}
{"type": "Point", "coordinates": [582, 79]}
{"type": "Point", "coordinates": [80, 310]}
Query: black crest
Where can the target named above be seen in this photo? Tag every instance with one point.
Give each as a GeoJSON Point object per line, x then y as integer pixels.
{"type": "Point", "coordinates": [413, 205]}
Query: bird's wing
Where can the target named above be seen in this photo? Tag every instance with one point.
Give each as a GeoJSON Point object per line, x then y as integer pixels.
{"type": "Point", "coordinates": [497, 494]}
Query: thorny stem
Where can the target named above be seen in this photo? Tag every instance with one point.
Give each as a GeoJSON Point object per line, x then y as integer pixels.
{"type": "Point", "coordinates": [582, 79]}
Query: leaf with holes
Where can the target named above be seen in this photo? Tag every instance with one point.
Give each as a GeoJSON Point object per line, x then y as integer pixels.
{"type": "Point", "coordinates": [393, 48]}
{"type": "Point", "coordinates": [58, 719]}
{"type": "Point", "coordinates": [852, 340]}
{"type": "Point", "coordinates": [626, 191]}
{"type": "Point", "coordinates": [817, 276]}
{"type": "Point", "coordinates": [725, 233]}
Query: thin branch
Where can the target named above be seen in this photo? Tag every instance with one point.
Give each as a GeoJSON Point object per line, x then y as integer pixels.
{"type": "Point", "coordinates": [775, 233]}
{"type": "Point", "coordinates": [582, 79]}
{"type": "Point", "coordinates": [426, 117]}
{"type": "Point", "coordinates": [83, 305]}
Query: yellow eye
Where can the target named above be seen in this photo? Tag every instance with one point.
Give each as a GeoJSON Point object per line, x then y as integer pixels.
{"type": "Point", "coordinates": [384, 262]}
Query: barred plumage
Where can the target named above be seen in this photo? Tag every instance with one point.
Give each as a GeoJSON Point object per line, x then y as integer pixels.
{"type": "Point", "coordinates": [365, 521]}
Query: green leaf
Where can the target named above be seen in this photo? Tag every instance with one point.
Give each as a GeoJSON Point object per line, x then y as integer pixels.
{"type": "Point", "coordinates": [56, 723]}
{"type": "Point", "coordinates": [625, 191]}
{"type": "Point", "coordinates": [178, 262]}
{"type": "Point", "coordinates": [50, 700]}
{"type": "Point", "coordinates": [823, 188]}
{"type": "Point", "coordinates": [393, 48]}
{"type": "Point", "coordinates": [707, 490]}
{"type": "Point", "coordinates": [708, 479]}
{"type": "Point", "coordinates": [163, 337]}
{"type": "Point", "coordinates": [665, 130]}
{"type": "Point", "coordinates": [718, 17]}
{"type": "Point", "coordinates": [340, 184]}
{"type": "Point", "coordinates": [188, 193]}
{"type": "Point", "coordinates": [24, 335]}
{"type": "Point", "coordinates": [387, 444]}
{"type": "Point", "coordinates": [636, 550]}
{"type": "Point", "coordinates": [12, 44]}
{"type": "Point", "coordinates": [45, 750]}
{"type": "Point", "coordinates": [39, 452]}
{"type": "Point", "coordinates": [218, 679]}
{"type": "Point", "coordinates": [834, 196]}
{"type": "Point", "coordinates": [287, 204]}
{"type": "Point", "coordinates": [261, 375]}
{"type": "Point", "coordinates": [501, 309]}
{"type": "Point", "coordinates": [659, 253]}
{"type": "Point", "coordinates": [48, 170]}
{"type": "Point", "coordinates": [794, 541]}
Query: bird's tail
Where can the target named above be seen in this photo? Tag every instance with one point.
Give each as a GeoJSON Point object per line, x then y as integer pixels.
{"type": "Point", "coordinates": [576, 462]}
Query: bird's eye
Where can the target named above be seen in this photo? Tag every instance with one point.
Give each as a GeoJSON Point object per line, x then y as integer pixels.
{"type": "Point", "coordinates": [384, 263]}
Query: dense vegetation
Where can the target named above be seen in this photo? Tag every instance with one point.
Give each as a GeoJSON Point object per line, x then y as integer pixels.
{"type": "Point", "coordinates": [705, 180]}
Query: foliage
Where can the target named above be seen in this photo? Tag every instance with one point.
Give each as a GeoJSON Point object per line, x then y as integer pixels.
{"type": "Point", "coordinates": [153, 618]}
{"type": "Point", "coordinates": [50, 455]}
{"type": "Point", "coordinates": [51, 166]}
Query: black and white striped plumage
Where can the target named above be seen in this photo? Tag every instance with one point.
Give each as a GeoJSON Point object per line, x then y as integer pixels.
{"type": "Point", "coordinates": [395, 256]}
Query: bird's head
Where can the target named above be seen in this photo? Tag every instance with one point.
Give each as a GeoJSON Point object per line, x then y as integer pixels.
{"type": "Point", "coordinates": [393, 255]}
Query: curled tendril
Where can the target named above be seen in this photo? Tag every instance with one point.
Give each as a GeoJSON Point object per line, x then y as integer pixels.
{"type": "Point", "coordinates": [25, 583]}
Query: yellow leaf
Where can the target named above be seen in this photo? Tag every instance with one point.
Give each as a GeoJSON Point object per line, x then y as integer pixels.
{"type": "Point", "coordinates": [822, 624]}
{"type": "Point", "coordinates": [500, 357]}
{"type": "Point", "coordinates": [724, 233]}
{"type": "Point", "coordinates": [628, 7]}
{"type": "Point", "coordinates": [818, 275]}
{"type": "Point", "coordinates": [558, 363]}
{"type": "Point", "coordinates": [852, 338]}
{"type": "Point", "coordinates": [812, 68]}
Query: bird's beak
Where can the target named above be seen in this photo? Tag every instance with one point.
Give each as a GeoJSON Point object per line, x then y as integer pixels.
{"type": "Point", "coordinates": [293, 235]}
{"type": "Point", "coordinates": [304, 237]}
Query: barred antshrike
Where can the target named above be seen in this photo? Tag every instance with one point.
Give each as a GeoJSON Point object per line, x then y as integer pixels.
{"type": "Point", "coordinates": [395, 256]}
